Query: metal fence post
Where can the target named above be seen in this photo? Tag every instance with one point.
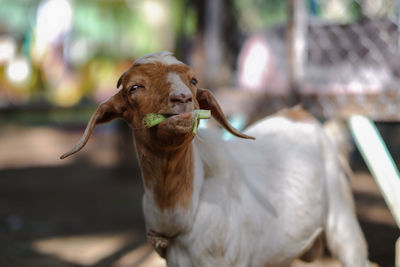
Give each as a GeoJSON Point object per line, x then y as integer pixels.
{"type": "Point", "coordinates": [296, 46]}
{"type": "Point", "coordinates": [397, 262]}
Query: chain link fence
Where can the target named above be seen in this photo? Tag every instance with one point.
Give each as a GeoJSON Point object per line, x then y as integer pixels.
{"type": "Point", "coordinates": [344, 59]}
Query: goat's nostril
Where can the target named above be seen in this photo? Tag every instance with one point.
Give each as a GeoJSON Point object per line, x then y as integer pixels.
{"type": "Point", "coordinates": [181, 98]}
{"type": "Point", "coordinates": [176, 100]}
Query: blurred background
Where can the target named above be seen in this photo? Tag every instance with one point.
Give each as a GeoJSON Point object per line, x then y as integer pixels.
{"type": "Point", "coordinates": [60, 58]}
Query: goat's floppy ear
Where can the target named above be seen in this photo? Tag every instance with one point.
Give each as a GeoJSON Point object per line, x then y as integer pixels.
{"type": "Point", "coordinates": [111, 109]}
{"type": "Point", "coordinates": [208, 101]}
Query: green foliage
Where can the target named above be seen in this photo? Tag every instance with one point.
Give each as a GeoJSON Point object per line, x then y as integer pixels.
{"type": "Point", "coordinates": [16, 15]}
{"type": "Point", "coordinates": [184, 18]}
{"type": "Point", "coordinates": [258, 14]}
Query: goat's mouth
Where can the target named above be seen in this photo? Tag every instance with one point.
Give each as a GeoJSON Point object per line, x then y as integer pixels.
{"type": "Point", "coordinates": [177, 123]}
{"type": "Point", "coordinates": [183, 121]}
{"type": "Point", "coordinates": [184, 115]}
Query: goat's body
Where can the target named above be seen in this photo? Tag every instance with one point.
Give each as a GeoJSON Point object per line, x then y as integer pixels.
{"type": "Point", "coordinates": [237, 203]}
{"type": "Point", "coordinates": [263, 202]}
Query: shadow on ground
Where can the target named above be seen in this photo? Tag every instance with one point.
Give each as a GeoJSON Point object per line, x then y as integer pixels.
{"type": "Point", "coordinates": [44, 203]}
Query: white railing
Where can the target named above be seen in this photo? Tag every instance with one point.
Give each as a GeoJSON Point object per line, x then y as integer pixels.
{"type": "Point", "coordinates": [381, 165]}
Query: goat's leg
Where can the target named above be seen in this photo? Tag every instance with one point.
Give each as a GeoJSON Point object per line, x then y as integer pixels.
{"type": "Point", "coordinates": [315, 251]}
{"type": "Point", "coordinates": [159, 243]}
{"type": "Point", "coordinates": [343, 232]}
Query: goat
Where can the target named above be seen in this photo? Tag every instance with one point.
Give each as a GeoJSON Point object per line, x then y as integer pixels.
{"type": "Point", "coordinates": [244, 202]}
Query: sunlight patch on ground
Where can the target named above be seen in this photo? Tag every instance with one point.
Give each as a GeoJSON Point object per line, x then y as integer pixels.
{"type": "Point", "coordinates": [322, 263]}
{"type": "Point", "coordinates": [36, 146]}
{"type": "Point", "coordinates": [134, 257]}
{"type": "Point", "coordinates": [143, 256]}
{"type": "Point", "coordinates": [83, 249]}
{"type": "Point", "coordinates": [317, 263]}
{"type": "Point", "coordinates": [153, 261]}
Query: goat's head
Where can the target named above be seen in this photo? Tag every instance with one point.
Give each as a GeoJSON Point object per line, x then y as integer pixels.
{"type": "Point", "coordinates": [157, 83]}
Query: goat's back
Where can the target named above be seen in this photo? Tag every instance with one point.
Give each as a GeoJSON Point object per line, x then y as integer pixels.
{"type": "Point", "coordinates": [266, 197]}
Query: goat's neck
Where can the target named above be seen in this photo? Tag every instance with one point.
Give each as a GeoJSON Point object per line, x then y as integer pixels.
{"type": "Point", "coordinates": [168, 175]}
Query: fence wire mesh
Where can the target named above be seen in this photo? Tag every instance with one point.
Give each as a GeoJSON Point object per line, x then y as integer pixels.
{"type": "Point", "coordinates": [353, 65]}
{"type": "Point", "coordinates": [351, 59]}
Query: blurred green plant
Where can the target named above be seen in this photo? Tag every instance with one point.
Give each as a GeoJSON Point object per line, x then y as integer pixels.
{"type": "Point", "coordinates": [84, 61]}
{"type": "Point", "coordinates": [255, 15]}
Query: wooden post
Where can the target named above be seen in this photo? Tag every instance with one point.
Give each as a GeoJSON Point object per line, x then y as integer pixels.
{"type": "Point", "coordinates": [296, 44]}
{"type": "Point", "coordinates": [213, 43]}
{"type": "Point", "coordinates": [397, 262]}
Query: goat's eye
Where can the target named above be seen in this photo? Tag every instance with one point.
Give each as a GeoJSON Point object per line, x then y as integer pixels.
{"type": "Point", "coordinates": [193, 81]}
{"type": "Point", "coordinates": [136, 86]}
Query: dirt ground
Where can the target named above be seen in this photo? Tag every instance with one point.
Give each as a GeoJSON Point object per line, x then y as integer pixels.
{"type": "Point", "coordinates": [86, 211]}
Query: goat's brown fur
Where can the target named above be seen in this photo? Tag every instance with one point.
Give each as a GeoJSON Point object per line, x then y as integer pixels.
{"type": "Point", "coordinates": [169, 174]}
{"type": "Point", "coordinates": [296, 113]}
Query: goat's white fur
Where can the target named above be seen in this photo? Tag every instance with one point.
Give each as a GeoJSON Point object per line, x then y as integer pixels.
{"type": "Point", "coordinates": [292, 166]}
{"type": "Point", "coordinates": [179, 87]}
{"type": "Point", "coordinates": [163, 57]}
